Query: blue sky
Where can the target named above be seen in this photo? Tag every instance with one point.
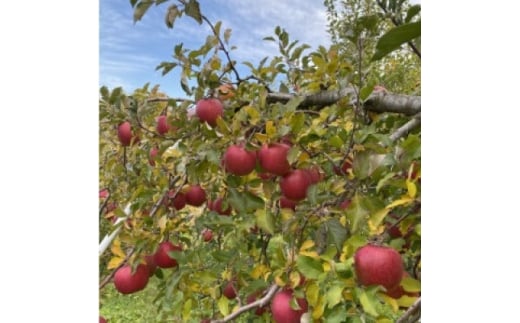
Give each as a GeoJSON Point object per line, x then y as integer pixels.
{"type": "Point", "coordinates": [130, 52]}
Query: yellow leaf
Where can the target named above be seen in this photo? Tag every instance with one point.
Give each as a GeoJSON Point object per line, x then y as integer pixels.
{"type": "Point", "coordinates": [375, 230]}
{"type": "Point", "coordinates": [390, 301]}
{"type": "Point", "coordinates": [116, 249]}
{"type": "Point", "coordinates": [279, 281]}
{"type": "Point", "coordinates": [259, 271]}
{"type": "Point", "coordinates": [261, 137]}
{"type": "Point", "coordinates": [318, 310]}
{"type": "Point", "coordinates": [384, 320]}
{"type": "Point", "coordinates": [378, 217]}
{"type": "Point", "coordinates": [162, 223]}
{"type": "Point", "coordinates": [270, 129]}
{"type": "Point", "coordinates": [303, 157]}
{"type": "Point", "coordinates": [406, 301]}
{"type": "Point", "coordinates": [114, 262]}
{"type": "Point", "coordinates": [223, 305]}
{"type": "Point", "coordinates": [307, 245]}
{"type": "Point", "coordinates": [412, 189]}
{"type": "Point", "coordinates": [312, 293]}
{"type": "Point", "coordinates": [326, 267]}
{"type": "Point", "coordinates": [403, 200]}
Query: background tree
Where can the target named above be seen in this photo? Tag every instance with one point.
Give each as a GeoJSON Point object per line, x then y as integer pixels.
{"type": "Point", "coordinates": [308, 160]}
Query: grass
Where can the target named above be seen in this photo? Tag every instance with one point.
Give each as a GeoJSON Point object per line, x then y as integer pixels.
{"type": "Point", "coordinates": [132, 308]}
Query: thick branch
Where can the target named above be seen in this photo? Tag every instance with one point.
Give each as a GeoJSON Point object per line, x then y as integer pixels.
{"type": "Point", "coordinates": [412, 314]}
{"type": "Point", "coordinates": [258, 303]}
{"type": "Point", "coordinates": [406, 128]}
{"type": "Point", "coordinates": [376, 102]}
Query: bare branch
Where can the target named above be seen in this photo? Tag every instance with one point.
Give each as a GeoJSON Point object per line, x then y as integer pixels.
{"type": "Point", "coordinates": [398, 103]}
{"type": "Point", "coordinates": [412, 314]}
{"type": "Point", "coordinates": [377, 102]}
{"type": "Point", "coordinates": [258, 303]}
{"type": "Point", "coordinates": [407, 127]}
{"type": "Point", "coordinates": [168, 99]}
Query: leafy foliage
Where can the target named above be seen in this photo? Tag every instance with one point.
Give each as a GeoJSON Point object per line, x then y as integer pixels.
{"type": "Point", "coordinates": [260, 243]}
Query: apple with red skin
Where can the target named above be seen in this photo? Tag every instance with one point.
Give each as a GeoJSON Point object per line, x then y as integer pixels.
{"type": "Point", "coordinates": [254, 297]}
{"type": "Point", "coordinates": [176, 201]}
{"type": "Point", "coordinates": [294, 185]}
{"type": "Point", "coordinates": [314, 173]}
{"type": "Point", "coordinates": [217, 207]}
{"type": "Point", "coordinates": [205, 321]}
{"type": "Point", "coordinates": [103, 193]}
{"type": "Point", "coordinates": [209, 110]}
{"type": "Point", "coordinates": [102, 320]}
{"type": "Point", "coordinates": [285, 203]}
{"type": "Point", "coordinates": [207, 235]}
{"type": "Point", "coordinates": [161, 257]}
{"type": "Point", "coordinates": [162, 125]}
{"type": "Point", "coordinates": [273, 158]}
{"type": "Point", "coordinates": [239, 161]}
{"type": "Point", "coordinates": [124, 133]}
{"type": "Point", "coordinates": [378, 265]}
{"type": "Point", "coordinates": [281, 307]}
{"type": "Point", "coordinates": [127, 282]}
{"type": "Point", "coordinates": [195, 195]}
{"type": "Point", "coordinates": [153, 155]}
{"type": "Point", "coordinates": [230, 291]}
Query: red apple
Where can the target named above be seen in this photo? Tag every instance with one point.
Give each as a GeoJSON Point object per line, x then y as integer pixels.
{"type": "Point", "coordinates": [345, 204]}
{"type": "Point", "coordinates": [378, 265]}
{"type": "Point", "coordinates": [161, 257]}
{"type": "Point", "coordinates": [209, 110]}
{"type": "Point", "coordinates": [195, 195]}
{"type": "Point", "coordinates": [162, 125]}
{"type": "Point", "coordinates": [127, 282]}
{"type": "Point", "coordinates": [150, 262]}
{"type": "Point", "coordinates": [314, 173]}
{"type": "Point", "coordinates": [124, 133]}
{"type": "Point", "coordinates": [281, 307]}
{"type": "Point", "coordinates": [177, 201]}
{"type": "Point", "coordinates": [217, 207]}
{"type": "Point", "coordinates": [153, 155]}
{"type": "Point", "coordinates": [102, 319]}
{"type": "Point", "coordinates": [285, 203]}
{"type": "Point", "coordinates": [207, 235]}
{"type": "Point", "coordinates": [239, 161]}
{"type": "Point", "coordinates": [230, 290]}
{"type": "Point", "coordinates": [103, 194]}
{"type": "Point", "coordinates": [205, 321]}
{"type": "Point", "coordinates": [254, 297]}
{"type": "Point", "coordinates": [294, 185]}
{"type": "Point", "coordinates": [273, 158]}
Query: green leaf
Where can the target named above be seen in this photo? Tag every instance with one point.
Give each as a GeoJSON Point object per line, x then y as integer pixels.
{"type": "Point", "coordinates": [133, 2]}
{"type": "Point", "coordinates": [369, 303]}
{"type": "Point", "coordinates": [193, 10]}
{"type": "Point", "coordinates": [223, 305]}
{"type": "Point", "coordinates": [334, 295]}
{"type": "Point", "coordinates": [297, 122]}
{"type": "Point", "coordinates": [411, 285]}
{"type": "Point", "coordinates": [337, 232]}
{"type": "Point", "coordinates": [336, 141]}
{"type": "Point", "coordinates": [264, 220]}
{"type": "Point", "coordinates": [293, 103]}
{"type": "Point", "coordinates": [395, 37]}
{"type": "Point", "coordinates": [141, 9]}
{"type": "Point", "coordinates": [412, 12]}
{"type": "Point", "coordinates": [309, 267]}
{"type": "Point", "coordinates": [171, 14]}
{"type": "Point", "coordinates": [356, 213]}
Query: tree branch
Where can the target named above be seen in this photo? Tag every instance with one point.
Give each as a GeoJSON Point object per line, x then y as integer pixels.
{"type": "Point", "coordinates": [109, 277]}
{"type": "Point", "coordinates": [412, 314]}
{"type": "Point", "coordinates": [407, 127]}
{"type": "Point", "coordinates": [377, 102]}
{"type": "Point", "coordinates": [258, 303]}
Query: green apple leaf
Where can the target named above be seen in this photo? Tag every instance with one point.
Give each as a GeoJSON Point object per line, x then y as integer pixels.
{"type": "Point", "coordinates": [309, 267]}
{"type": "Point", "coordinates": [395, 37]}
{"type": "Point", "coordinates": [334, 295]}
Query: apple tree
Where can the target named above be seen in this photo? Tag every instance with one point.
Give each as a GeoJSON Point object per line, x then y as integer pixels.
{"type": "Point", "coordinates": [290, 193]}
